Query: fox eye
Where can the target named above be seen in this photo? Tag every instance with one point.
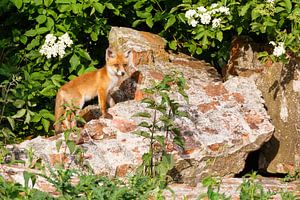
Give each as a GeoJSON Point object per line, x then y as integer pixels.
{"type": "Point", "coordinates": [116, 65]}
{"type": "Point", "coordinates": [125, 65]}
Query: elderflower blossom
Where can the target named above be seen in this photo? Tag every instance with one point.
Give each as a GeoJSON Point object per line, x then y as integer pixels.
{"type": "Point", "coordinates": [205, 18]}
{"type": "Point", "coordinates": [270, 1]}
{"type": "Point", "coordinates": [51, 48]}
{"type": "Point", "coordinates": [201, 9]}
{"type": "Point", "coordinates": [214, 5]}
{"type": "Point", "coordinates": [224, 10]}
{"type": "Point", "coordinates": [190, 14]}
{"type": "Point", "coordinates": [216, 23]}
{"type": "Point", "coordinates": [278, 49]}
{"type": "Point", "coordinates": [207, 15]}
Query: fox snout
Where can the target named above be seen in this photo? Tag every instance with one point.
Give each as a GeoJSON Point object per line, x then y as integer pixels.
{"type": "Point", "coordinates": [120, 72]}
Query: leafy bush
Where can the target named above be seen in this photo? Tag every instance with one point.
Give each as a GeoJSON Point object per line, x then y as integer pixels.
{"type": "Point", "coordinates": [29, 80]}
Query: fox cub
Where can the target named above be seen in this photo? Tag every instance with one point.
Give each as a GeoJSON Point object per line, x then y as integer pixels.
{"type": "Point", "coordinates": [89, 85]}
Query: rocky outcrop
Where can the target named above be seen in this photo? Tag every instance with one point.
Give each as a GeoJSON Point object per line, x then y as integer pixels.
{"type": "Point", "coordinates": [227, 120]}
{"type": "Point", "coordinates": [280, 87]}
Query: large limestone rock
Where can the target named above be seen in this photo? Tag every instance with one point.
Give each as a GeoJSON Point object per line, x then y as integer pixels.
{"type": "Point", "coordinates": [280, 87]}
{"type": "Point", "coordinates": [227, 120]}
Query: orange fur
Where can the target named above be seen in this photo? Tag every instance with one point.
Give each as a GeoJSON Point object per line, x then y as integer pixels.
{"type": "Point", "coordinates": [87, 86]}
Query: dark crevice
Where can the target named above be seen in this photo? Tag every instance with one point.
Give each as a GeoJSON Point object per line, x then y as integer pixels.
{"type": "Point", "coordinates": [252, 161]}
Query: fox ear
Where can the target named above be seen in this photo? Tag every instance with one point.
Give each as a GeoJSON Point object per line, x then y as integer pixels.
{"type": "Point", "coordinates": [110, 53]}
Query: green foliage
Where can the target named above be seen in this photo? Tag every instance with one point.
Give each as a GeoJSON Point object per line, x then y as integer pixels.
{"type": "Point", "coordinates": [213, 187]}
{"type": "Point", "coordinates": [29, 80]}
{"type": "Point", "coordinates": [251, 190]}
{"type": "Point", "coordinates": [157, 162]}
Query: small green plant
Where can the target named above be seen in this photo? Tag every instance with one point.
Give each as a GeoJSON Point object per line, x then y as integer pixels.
{"type": "Point", "coordinates": [292, 177]}
{"type": "Point", "coordinates": [75, 152]}
{"type": "Point", "coordinates": [157, 162]}
{"type": "Point", "coordinates": [213, 187]}
{"type": "Point", "coordinates": [251, 190]}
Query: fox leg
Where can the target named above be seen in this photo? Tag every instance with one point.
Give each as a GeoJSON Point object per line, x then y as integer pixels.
{"type": "Point", "coordinates": [110, 101]}
{"type": "Point", "coordinates": [102, 98]}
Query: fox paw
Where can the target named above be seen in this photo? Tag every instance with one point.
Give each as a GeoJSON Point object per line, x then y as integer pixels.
{"type": "Point", "coordinates": [107, 116]}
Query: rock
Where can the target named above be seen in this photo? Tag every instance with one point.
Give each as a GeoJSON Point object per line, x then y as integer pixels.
{"type": "Point", "coordinates": [279, 84]}
{"type": "Point", "coordinates": [227, 120]}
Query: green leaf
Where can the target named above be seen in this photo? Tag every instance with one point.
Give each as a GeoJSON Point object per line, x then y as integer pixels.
{"type": "Point", "coordinates": [109, 6]}
{"type": "Point", "coordinates": [142, 133]}
{"type": "Point", "coordinates": [11, 122]}
{"type": "Point", "coordinates": [58, 145]}
{"type": "Point", "coordinates": [46, 114]}
{"type": "Point", "coordinates": [23, 39]}
{"type": "Point", "coordinates": [288, 5]}
{"type": "Point", "coordinates": [173, 45]}
{"type": "Point", "coordinates": [27, 118]}
{"type": "Point", "coordinates": [149, 22]}
{"type": "Point", "coordinates": [245, 8]}
{"type": "Point", "coordinates": [71, 146]}
{"type": "Point", "coordinates": [137, 22]}
{"type": "Point", "coordinates": [262, 54]}
{"type": "Point", "coordinates": [170, 22]}
{"type": "Point", "coordinates": [142, 114]}
{"type": "Point", "coordinates": [42, 30]}
{"type": "Point", "coordinates": [19, 103]}
{"type": "Point", "coordinates": [144, 124]}
{"type": "Point", "coordinates": [94, 36]}
{"type": "Point", "coordinates": [17, 3]}
{"type": "Point", "coordinates": [48, 2]}
{"type": "Point", "coordinates": [30, 33]}
{"type": "Point", "coordinates": [84, 54]}
{"type": "Point", "coordinates": [220, 36]}
{"type": "Point", "coordinates": [99, 7]}
{"type": "Point", "coordinates": [19, 114]}
{"type": "Point", "coordinates": [74, 61]}
{"type": "Point", "coordinates": [50, 23]}
{"type": "Point", "coordinates": [41, 19]}
{"type": "Point", "coordinates": [36, 118]}
{"type": "Point", "coordinates": [46, 124]}
{"type": "Point", "coordinates": [239, 30]}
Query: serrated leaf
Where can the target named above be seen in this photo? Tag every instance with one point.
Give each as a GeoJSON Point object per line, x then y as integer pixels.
{"type": "Point", "coordinates": [23, 39]}
{"type": "Point", "coordinates": [36, 118]}
{"type": "Point", "coordinates": [46, 114]}
{"type": "Point", "coordinates": [46, 124]}
{"type": "Point", "coordinates": [19, 114]}
{"type": "Point", "coordinates": [170, 22]}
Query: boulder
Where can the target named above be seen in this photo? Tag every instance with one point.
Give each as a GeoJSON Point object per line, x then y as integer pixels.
{"type": "Point", "coordinates": [227, 120]}
{"type": "Point", "coordinates": [280, 87]}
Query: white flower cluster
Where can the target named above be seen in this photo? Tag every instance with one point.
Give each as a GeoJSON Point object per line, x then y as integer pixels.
{"type": "Point", "coordinates": [270, 1]}
{"type": "Point", "coordinates": [206, 16]}
{"type": "Point", "coordinates": [51, 48]}
{"type": "Point", "coordinates": [278, 49]}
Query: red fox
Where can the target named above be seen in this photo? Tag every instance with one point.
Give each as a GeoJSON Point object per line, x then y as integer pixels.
{"type": "Point", "coordinates": [89, 85]}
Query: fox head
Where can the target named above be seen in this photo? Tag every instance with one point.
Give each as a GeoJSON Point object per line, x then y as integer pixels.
{"type": "Point", "coordinates": [117, 62]}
